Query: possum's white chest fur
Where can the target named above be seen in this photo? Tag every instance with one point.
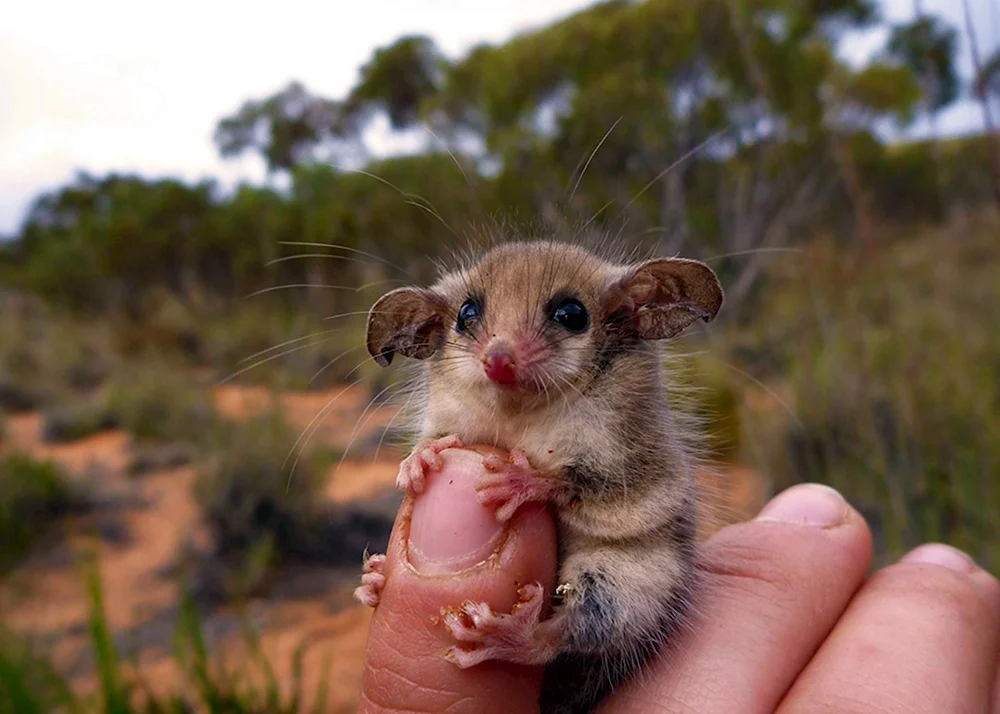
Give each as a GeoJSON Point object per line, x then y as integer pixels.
{"type": "Point", "coordinates": [550, 435]}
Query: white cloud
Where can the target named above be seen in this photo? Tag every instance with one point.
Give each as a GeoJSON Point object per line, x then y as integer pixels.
{"type": "Point", "coordinates": [115, 85]}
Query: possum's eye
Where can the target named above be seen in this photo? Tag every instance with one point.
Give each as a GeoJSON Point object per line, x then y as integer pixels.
{"type": "Point", "coordinates": [572, 315]}
{"type": "Point", "coordinates": [467, 315]}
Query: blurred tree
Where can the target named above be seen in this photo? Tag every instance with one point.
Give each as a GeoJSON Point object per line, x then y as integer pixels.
{"type": "Point", "coordinates": [988, 80]}
{"type": "Point", "coordinates": [855, 100]}
{"type": "Point", "coordinates": [398, 80]}
{"type": "Point", "coordinates": [720, 127]}
{"type": "Point", "coordinates": [286, 128]}
{"type": "Point", "coordinates": [983, 72]}
{"type": "Point", "coordinates": [927, 46]}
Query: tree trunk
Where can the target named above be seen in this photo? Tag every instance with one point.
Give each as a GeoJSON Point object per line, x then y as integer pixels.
{"type": "Point", "coordinates": [992, 140]}
{"type": "Point", "coordinates": [673, 211]}
{"type": "Point", "coordinates": [928, 87]}
{"type": "Point", "coordinates": [863, 223]}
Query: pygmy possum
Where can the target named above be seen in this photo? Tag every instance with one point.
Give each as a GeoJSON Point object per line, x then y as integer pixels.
{"type": "Point", "coordinates": [553, 352]}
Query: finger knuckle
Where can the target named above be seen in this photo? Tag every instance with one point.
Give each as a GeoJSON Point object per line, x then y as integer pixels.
{"type": "Point", "coordinates": [937, 591]}
{"type": "Point", "coordinates": [755, 565]}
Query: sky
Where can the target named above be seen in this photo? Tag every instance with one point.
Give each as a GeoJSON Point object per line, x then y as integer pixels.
{"type": "Point", "coordinates": [116, 85]}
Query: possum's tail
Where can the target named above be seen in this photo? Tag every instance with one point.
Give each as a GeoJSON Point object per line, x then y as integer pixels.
{"type": "Point", "coordinates": [576, 683]}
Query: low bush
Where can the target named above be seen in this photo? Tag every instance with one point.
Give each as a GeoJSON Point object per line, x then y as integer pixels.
{"type": "Point", "coordinates": [30, 684]}
{"type": "Point", "coordinates": [33, 496]}
{"type": "Point", "coordinates": [70, 422]}
{"type": "Point", "coordinates": [44, 354]}
{"type": "Point", "coordinates": [155, 402]}
{"type": "Point", "coordinates": [255, 507]}
{"type": "Point", "coordinates": [893, 379]}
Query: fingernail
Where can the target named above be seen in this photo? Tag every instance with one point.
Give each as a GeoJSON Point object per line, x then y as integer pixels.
{"type": "Point", "coordinates": [807, 504]}
{"type": "Point", "coordinates": [449, 530]}
{"type": "Point", "coordinates": [940, 554]}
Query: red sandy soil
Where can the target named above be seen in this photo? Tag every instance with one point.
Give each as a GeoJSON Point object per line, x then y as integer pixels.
{"type": "Point", "coordinates": [45, 597]}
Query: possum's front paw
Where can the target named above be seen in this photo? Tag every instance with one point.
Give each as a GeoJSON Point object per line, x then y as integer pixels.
{"type": "Point", "coordinates": [412, 475]}
{"type": "Point", "coordinates": [519, 636]}
{"type": "Point", "coordinates": [509, 483]}
{"type": "Point", "coordinates": [372, 581]}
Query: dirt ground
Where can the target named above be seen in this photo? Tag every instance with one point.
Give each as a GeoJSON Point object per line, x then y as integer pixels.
{"type": "Point", "coordinates": [156, 516]}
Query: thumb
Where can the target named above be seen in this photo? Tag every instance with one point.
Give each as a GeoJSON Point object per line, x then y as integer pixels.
{"type": "Point", "coordinates": [445, 548]}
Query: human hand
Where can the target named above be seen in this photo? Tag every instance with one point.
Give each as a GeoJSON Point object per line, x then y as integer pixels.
{"type": "Point", "coordinates": [788, 620]}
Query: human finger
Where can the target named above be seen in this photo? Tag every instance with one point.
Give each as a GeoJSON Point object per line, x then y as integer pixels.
{"type": "Point", "coordinates": [921, 637]}
{"type": "Point", "coordinates": [446, 548]}
{"type": "Point", "coordinates": [772, 590]}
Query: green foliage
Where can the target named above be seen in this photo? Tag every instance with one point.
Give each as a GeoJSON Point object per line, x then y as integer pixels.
{"type": "Point", "coordinates": [70, 422]}
{"type": "Point", "coordinates": [893, 377]}
{"type": "Point", "coordinates": [748, 91]}
{"type": "Point", "coordinates": [33, 496]}
{"type": "Point", "coordinates": [399, 79]}
{"type": "Point", "coordinates": [988, 81]}
{"type": "Point", "coordinates": [293, 121]}
{"type": "Point", "coordinates": [725, 129]}
{"type": "Point", "coordinates": [44, 354]}
{"type": "Point", "coordinates": [159, 403]}
{"type": "Point", "coordinates": [29, 684]}
{"type": "Point", "coordinates": [256, 507]}
{"type": "Point", "coordinates": [928, 47]}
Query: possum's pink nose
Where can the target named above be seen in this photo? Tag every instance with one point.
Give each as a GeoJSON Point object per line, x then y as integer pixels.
{"type": "Point", "coordinates": [500, 368]}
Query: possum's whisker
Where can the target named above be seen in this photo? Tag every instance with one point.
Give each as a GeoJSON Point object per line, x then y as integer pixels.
{"type": "Point", "coordinates": [591, 157]}
{"type": "Point", "coordinates": [763, 386]}
{"type": "Point", "coordinates": [322, 256]}
{"type": "Point", "coordinates": [357, 251]}
{"type": "Point", "coordinates": [321, 413]}
{"type": "Point", "coordinates": [592, 219]}
{"type": "Point", "coordinates": [450, 153]}
{"type": "Point", "coordinates": [411, 198]}
{"type": "Point", "coordinates": [687, 155]}
{"type": "Point", "coordinates": [752, 251]}
{"type": "Point", "coordinates": [358, 426]}
{"type": "Point", "coordinates": [291, 342]}
{"type": "Point", "coordinates": [290, 286]}
{"type": "Point", "coordinates": [384, 281]}
{"type": "Point", "coordinates": [433, 212]}
{"type": "Point", "coordinates": [264, 361]}
{"type": "Point", "coordinates": [388, 426]}
{"type": "Point", "coordinates": [333, 362]}
{"type": "Point", "coordinates": [313, 426]}
{"type": "Point", "coordinates": [340, 315]}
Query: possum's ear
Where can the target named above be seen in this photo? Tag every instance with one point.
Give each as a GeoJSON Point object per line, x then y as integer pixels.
{"type": "Point", "coordinates": [406, 320]}
{"type": "Point", "coordinates": [658, 299]}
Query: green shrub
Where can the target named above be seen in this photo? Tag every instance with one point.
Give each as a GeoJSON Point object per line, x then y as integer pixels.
{"type": "Point", "coordinates": [30, 684]}
{"type": "Point", "coordinates": [44, 354]}
{"type": "Point", "coordinates": [144, 458]}
{"type": "Point", "coordinates": [255, 507]}
{"type": "Point", "coordinates": [18, 397]}
{"type": "Point", "coordinates": [33, 495]}
{"type": "Point", "coordinates": [154, 402]}
{"type": "Point", "coordinates": [286, 349]}
{"type": "Point", "coordinates": [894, 377]}
{"type": "Point", "coordinates": [76, 421]}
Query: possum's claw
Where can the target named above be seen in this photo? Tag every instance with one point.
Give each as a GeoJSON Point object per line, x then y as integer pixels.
{"type": "Point", "coordinates": [508, 484]}
{"type": "Point", "coordinates": [519, 636]}
{"type": "Point", "coordinates": [372, 581]}
{"type": "Point", "coordinates": [425, 455]}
